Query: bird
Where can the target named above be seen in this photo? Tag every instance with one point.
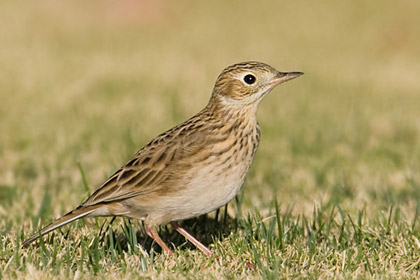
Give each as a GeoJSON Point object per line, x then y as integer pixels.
{"type": "Point", "coordinates": [193, 168]}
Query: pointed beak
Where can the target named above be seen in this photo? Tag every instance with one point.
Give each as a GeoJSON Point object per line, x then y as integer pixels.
{"type": "Point", "coordinates": [282, 77]}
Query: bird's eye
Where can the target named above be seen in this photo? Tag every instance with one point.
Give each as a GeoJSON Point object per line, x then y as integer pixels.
{"type": "Point", "coordinates": [250, 79]}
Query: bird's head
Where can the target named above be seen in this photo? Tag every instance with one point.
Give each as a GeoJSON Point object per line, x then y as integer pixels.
{"type": "Point", "coordinates": [246, 83]}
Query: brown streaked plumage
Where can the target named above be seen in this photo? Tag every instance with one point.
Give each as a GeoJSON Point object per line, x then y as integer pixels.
{"type": "Point", "coordinates": [193, 168]}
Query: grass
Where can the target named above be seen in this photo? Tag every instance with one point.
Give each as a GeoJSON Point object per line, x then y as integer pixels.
{"type": "Point", "coordinates": [334, 189]}
{"type": "Point", "coordinates": [330, 243]}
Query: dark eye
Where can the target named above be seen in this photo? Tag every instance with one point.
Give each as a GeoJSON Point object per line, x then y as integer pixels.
{"type": "Point", "coordinates": [249, 79]}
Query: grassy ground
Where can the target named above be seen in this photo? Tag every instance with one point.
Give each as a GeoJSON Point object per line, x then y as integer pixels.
{"type": "Point", "coordinates": [334, 190]}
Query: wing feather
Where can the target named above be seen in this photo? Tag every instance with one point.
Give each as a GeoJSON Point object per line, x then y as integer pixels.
{"type": "Point", "coordinates": [153, 166]}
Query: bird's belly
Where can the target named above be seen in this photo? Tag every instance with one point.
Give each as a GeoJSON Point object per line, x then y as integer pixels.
{"type": "Point", "coordinates": [212, 192]}
{"type": "Point", "coordinates": [211, 187]}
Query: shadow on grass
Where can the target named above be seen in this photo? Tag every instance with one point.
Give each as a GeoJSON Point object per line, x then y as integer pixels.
{"type": "Point", "coordinates": [206, 229]}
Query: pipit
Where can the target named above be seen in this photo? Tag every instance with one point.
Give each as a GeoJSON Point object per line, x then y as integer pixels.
{"type": "Point", "coordinates": [193, 168]}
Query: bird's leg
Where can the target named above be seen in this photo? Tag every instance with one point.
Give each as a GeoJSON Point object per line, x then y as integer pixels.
{"type": "Point", "coordinates": [191, 238]}
{"type": "Point", "coordinates": [155, 236]}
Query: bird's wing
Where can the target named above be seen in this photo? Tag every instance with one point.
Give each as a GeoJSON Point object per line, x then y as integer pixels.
{"type": "Point", "coordinates": [165, 159]}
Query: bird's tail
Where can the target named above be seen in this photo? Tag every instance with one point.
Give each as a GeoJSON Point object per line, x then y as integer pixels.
{"type": "Point", "coordinates": [76, 214]}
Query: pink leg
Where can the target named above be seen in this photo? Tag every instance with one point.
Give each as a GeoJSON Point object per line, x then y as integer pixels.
{"type": "Point", "coordinates": [155, 236]}
{"type": "Point", "coordinates": [191, 238]}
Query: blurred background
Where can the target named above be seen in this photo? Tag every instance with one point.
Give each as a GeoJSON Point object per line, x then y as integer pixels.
{"type": "Point", "coordinates": [85, 84]}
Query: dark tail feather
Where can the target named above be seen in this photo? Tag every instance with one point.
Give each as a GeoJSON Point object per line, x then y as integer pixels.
{"type": "Point", "coordinates": [68, 218]}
